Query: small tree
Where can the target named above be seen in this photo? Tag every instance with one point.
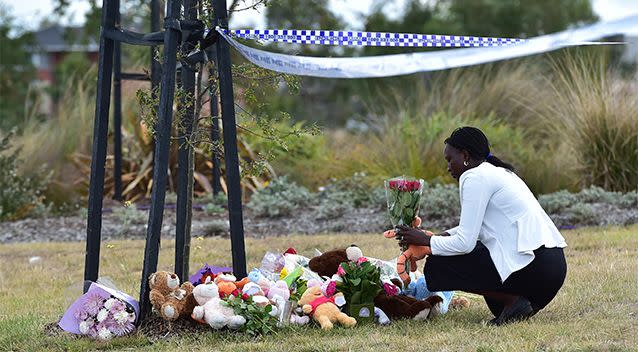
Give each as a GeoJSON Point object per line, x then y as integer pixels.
{"type": "Point", "coordinates": [19, 194]}
{"type": "Point", "coordinates": [16, 71]}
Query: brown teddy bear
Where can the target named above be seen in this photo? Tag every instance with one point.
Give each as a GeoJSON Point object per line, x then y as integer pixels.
{"type": "Point", "coordinates": [169, 299]}
{"type": "Point", "coordinates": [395, 307]}
{"type": "Point", "coordinates": [323, 309]}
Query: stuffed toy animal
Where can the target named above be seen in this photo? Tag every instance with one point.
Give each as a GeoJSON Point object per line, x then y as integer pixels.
{"type": "Point", "coordinates": [459, 302]}
{"type": "Point", "coordinates": [411, 255]}
{"type": "Point", "coordinates": [169, 299]}
{"type": "Point", "coordinates": [323, 310]}
{"type": "Point", "coordinates": [394, 306]}
{"type": "Point", "coordinates": [252, 289]}
{"type": "Point", "coordinates": [327, 263]}
{"type": "Point", "coordinates": [279, 291]}
{"type": "Point", "coordinates": [211, 311]}
{"type": "Point", "coordinates": [257, 277]}
{"type": "Point", "coordinates": [399, 306]}
{"type": "Point", "coordinates": [227, 284]}
{"type": "Point", "coordinates": [298, 318]}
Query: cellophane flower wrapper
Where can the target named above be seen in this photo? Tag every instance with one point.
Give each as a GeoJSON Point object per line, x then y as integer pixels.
{"type": "Point", "coordinates": [403, 195]}
{"type": "Point", "coordinates": [101, 313]}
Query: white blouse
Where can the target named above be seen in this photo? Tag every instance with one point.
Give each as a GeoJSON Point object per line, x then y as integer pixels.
{"type": "Point", "coordinates": [498, 209]}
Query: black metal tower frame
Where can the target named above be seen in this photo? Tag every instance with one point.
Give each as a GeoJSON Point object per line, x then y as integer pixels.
{"type": "Point", "coordinates": [177, 31]}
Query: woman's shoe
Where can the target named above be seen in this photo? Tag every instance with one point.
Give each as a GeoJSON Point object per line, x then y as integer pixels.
{"type": "Point", "coordinates": [521, 309]}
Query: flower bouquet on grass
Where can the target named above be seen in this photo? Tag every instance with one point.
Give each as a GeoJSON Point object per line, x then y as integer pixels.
{"type": "Point", "coordinates": [259, 318]}
{"type": "Point", "coordinates": [101, 313]}
{"type": "Point", "coordinates": [403, 195]}
{"type": "Point", "coordinates": [359, 285]}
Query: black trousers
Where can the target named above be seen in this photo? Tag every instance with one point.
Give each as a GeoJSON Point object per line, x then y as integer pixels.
{"type": "Point", "coordinates": [474, 272]}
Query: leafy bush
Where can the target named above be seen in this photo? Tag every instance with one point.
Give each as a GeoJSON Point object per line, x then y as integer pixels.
{"type": "Point", "coordinates": [280, 198]}
{"type": "Point", "coordinates": [593, 117]}
{"type": "Point", "coordinates": [557, 201]}
{"type": "Point", "coordinates": [565, 201]}
{"type": "Point", "coordinates": [333, 205]}
{"type": "Point", "coordinates": [56, 140]}
{"type": "Point", "coordinates": [130, 215]}
{"type": "Point", "coordinates": [214, 204]}
{"type": "Point", "coordinates": [581, 214]}
{"type": "Point", "coordinates": [408, 142]}
{"type": "Point", "coordinates": [440, 201]}
{"type": "Point", "coordinates": [19, 195]}
{"type": "Point", "coordinates": [216, 228]}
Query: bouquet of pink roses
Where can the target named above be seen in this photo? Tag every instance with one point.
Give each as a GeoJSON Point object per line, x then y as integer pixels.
{"type": "Point", "coordinates": [403, 195]}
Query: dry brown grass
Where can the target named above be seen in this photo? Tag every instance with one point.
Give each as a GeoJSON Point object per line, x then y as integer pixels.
{"type": "Point", "coordinates": [596, 310]}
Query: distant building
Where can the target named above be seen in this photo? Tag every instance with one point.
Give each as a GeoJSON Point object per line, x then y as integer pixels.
{"type": "Point", "coordinates": [52, 44]}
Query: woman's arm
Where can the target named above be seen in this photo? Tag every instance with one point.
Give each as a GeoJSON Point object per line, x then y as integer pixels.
{"type": "Point", "coordinates": [475, 194]}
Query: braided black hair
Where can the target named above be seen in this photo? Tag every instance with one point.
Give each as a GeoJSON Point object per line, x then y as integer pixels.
{"type": "Point", "coordinates": [476, 144]}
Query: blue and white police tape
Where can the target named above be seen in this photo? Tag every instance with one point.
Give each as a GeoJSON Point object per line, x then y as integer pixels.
{"type": "Point", "coordinates": [402, 64]}
{"type": "Point", "coordinates": [351, 38]}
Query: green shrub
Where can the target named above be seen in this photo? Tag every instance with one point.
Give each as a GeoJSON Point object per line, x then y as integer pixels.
{"type": "Point", "coordinates": [628, 200]}
{"type": "Point", "coordinates": [557, 201]}
{"type": "Point", "coordinates": [593, 117]}
{"type": "Point", "coordinates": [440, 201]}
{"type": "Point", "coordinates": [20, 195]}
{"type": "Point", "coordinates": [130, 215]}
{"type": "Point", "coordinates": [411, 143]}
{"type": "Point", "coordinates": [332, 205]}
{"type": "Point", "coordinates": [355, 188]}
{"type": "Point", "coordinates": [567, 202]}
{"type": "Point", "coordinates": [55, 141]}
{"type": "Point", "coordinates": [213, 204]}
{"type": "Point", "coordinates": [216, 228]}
{"type": "Point", "coordinates": [581, 214]}
{"type": "Point", "coordinates": [280, 198]}
{"type": "Point", "coordinates": [211, 208]}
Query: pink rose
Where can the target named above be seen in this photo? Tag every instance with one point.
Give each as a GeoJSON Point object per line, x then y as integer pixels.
{"type": "Point", "coordinates": [390, 289]}
{"type": "Point", "coordinates": [362, 260]}
{"type": "Point", "coordinates": [330, 289]}
{"type": "Point", "coordinates": [340, 271]}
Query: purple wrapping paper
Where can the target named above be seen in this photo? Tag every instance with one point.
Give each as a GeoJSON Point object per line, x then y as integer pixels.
{"type": "Point", "coordinates": [194, 279]}
{"type": "Point", "coordinates": [70, 324]}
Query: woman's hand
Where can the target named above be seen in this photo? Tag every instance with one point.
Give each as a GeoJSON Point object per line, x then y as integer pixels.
{"type": "Point", "coordinates": [409, 235]}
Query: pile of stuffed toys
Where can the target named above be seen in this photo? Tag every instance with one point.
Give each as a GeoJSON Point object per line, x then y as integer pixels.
{"type": "Point", "coordinates": [301, 287]}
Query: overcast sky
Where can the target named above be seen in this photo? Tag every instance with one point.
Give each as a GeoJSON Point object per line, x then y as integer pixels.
{"type": "Point", "coordinates": [29, 13]}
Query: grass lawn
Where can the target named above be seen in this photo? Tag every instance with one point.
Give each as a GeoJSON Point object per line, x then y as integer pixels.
{"type": "Point", "coordinates": [597, 309]}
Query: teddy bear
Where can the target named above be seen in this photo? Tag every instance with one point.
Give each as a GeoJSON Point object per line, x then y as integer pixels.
{"type": "Point", "coordinates": [323, 310]}
{"type": "Point", "coordinates": [212, 311]}
{"type": "Point", "coordinates": [169, 299]}
{"type": "Point", "coordinates": [410, 255]}
{"type": "Point", "coordinates": [393, 305]}
{"type": "Point", "coordinates": [327, 263]}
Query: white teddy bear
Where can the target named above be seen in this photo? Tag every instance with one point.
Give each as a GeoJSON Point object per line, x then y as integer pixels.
{"type": "Point", "coordinates": [212, 311]}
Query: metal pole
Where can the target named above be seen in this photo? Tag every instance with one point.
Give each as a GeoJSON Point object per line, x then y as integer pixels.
{"type": "Point", "coordinates": [233, 177]}
{"type": "Point", "coordinates": [214, 134]}
{"type": "Point", "coordinates": [184, 210]}
{"type": "Point", "coordinates": [162, 147]}
{"type": "Point", "coordinates": [100, 135]}
{"type": "Point", "coordinates": [117, 114]}
{"type": "Point", "coordinates": [155, 27]}
{"type": "Point", "coordinates": [156, 68]}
